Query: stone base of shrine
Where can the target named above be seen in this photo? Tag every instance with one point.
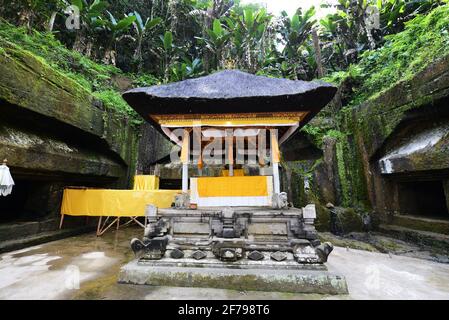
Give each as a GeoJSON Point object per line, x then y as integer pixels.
{"type": "Point", "coordinates": [269, 276]}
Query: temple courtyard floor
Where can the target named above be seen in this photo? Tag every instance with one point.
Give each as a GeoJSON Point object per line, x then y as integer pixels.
{"type": "Point", "coordinates": [52, 271]}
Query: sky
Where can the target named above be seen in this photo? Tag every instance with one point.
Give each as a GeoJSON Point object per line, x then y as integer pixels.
{"type": "Point", "coordinates": [290, 6]}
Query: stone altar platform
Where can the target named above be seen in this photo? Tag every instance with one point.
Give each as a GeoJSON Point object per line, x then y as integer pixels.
{"type": "Point", "coordinates": [237, 248]}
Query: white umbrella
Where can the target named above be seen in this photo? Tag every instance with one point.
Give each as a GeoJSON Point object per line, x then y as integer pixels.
{"type": "Point", "coordinates": [6, 181]}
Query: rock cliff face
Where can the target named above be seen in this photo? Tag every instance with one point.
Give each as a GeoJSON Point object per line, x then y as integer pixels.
{"type": "Point", "coordinates": [55, 134]}
{"type": "Point", "coordinates": [394, 155]}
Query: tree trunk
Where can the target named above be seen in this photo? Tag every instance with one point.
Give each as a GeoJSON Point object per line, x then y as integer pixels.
{"type": "Point", "coordinates": [25, 18]}
{"type": "Point", "coordinates": [319, 62]}
{"type": "Point", "coordinates": [109, 56]}
{"type": "Point", "coordinates": [51, 22]}
{"type": "Point", "coordinates": [89, 48]}
{"type": "Point", "coordinates": [110, 53]}
{"type": "Point", "coordinates": [78, 45]}
{"type": "Point", "coordinates": [138, 54]}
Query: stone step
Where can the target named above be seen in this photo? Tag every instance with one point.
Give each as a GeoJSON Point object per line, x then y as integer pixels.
{"type": "Point", "coordinates": [279, 280]}
{"type": "Point", "coordinates": [422, 238]}
{"type": "Point", "coordinates": [11, 231]}
{"type": "Point", "coordinates": [420, 223]}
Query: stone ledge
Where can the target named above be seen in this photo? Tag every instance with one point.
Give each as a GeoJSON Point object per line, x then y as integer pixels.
{"type": "Point", "coordinates": [29, 85]}
{"type": "Point", "coordinates": [17, 244]}
{"type": "Point", "coordinates": [420, 223]}
{"type": "Point", "coordinates": [434, 240]}
{"type": "Point", "coordinates": [302, 281]}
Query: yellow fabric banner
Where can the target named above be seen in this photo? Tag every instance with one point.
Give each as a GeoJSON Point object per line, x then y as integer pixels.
{"type": "Point", "coordinates": [237, 173]}
{"type": "Point", "coordinates": [114, 203]}
{"type": "Point", "coordinates": [254, 186]}
{"type": "Point", "coordinates": [146, 183]}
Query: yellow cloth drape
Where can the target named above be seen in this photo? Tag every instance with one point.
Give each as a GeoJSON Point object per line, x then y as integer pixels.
{"type": "Point", "coordinates": [115, 203]}
{"type": "Point", "coordinates": [255, 186]}
{"type": "Point", "coordinates": [146, 183]}
{"type": "Point", "coordinates": [237, 173]}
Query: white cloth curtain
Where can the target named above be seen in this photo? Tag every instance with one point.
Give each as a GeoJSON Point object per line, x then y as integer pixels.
{"type": "Point", "coordinates": [6, 181]}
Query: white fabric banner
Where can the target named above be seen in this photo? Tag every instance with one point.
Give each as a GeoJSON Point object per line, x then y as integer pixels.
{"type": "Point", "coordinates": [6, 181]}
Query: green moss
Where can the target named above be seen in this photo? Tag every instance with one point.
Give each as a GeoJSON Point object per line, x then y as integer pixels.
{"type": "Point", "coordinates": [323, 220]}
{"type": "Point", "coordinates": [113, 100]}
{"type": "Point", "coordinates": [144, 80]}
{"type": "Point", "coordinates": [346, 243]}
{"type": "Point", "coordinates": [421, 224]}
{"type": "Point", "coordinates": [89, 75]}
{"type": "Point", "coordinates": [338, 77]}
{"type": "Point", "coordinates": [424, 39]}
{"type": "Point", "coordinates": [342, 174]}
{"type": "Point", "coordinates": [350, 221]}
{"type": "Point", "coordinates": [72, 63]}
{"type": "Point", "coordinates": [317, 132]}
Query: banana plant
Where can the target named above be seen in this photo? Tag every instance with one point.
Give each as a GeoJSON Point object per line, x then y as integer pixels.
{"type": "Point", "coordinates": [297, 30]}
{"type": "Point", "coordinates": [90, 13]}
{"type": "Point", "coordinates": [394, 13]}
{"type": "Point", "coordinates": [249, 35]}
{"type": "Point", "coordinates": [115, 29]}
{"type": "Point", "coordinates": [187, 69]}
{"type": "Point", "coordinates": [295, 34]}
{"type": "Point", "coordinates": [167, 49]}
{"type": "Point", "coordinates": [142, 28]}
{"type": "Point", "coordinates": [216, 40]}
{"type": "Point", "coordinates": [90, 21]}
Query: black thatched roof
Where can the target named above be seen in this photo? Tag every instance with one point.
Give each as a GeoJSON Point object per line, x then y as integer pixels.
{"type": "Point", "coordinates": [231, 91]}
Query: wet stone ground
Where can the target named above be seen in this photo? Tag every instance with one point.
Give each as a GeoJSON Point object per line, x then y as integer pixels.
{"type": "Point", "coordinates": [52, 271]}
{"type": "Point", "coordinates": [377, 242]}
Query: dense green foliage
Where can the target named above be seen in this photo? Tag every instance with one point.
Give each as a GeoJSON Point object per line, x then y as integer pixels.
{"type": "Point", "coordinates": [94, 77]}
{"type": "Point", "coordinates": [171, 40]}
{"type": "Point", "coordinates": [178, 39]}
{"type": "Point", "coordinates": [91, 75]}
{"type": "Point", "coordinates": [424, 40]}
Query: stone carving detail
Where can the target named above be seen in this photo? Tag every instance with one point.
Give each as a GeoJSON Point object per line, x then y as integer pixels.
{"type": "Point", "coordinates": [198, 255]}
{"type": "Point", "coordinates": [256, 255]}
{"type": "Point", "coordinates": [233, 232]}
{"type": "Point", "coordinates": [228, 225]}
{"type": "Point", "coordinates": [150, 249]}
{"type": "Point", "coordinates": [177, 254]}
{"type": "Point", "coordinates": [228, 250]}
{"type": "Point", "coordinates": [280, 200]}
{"type": "Point", "coordinates": [323, 251]}
{"type": "Point", "coordinates": [182, 201]}
{"type": "Point", "coordinates": [157, 228]}
{"type": "Point", "coordinates": [154, 242]}
{"type": "Point", "coordinates": [278, 256]}
{"type": "Point", "coordinates": [305, 254]}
